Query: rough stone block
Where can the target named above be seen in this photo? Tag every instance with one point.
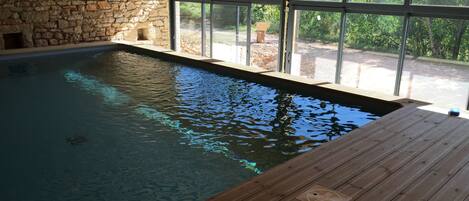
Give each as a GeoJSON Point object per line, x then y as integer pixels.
{"type": "Point", "coordinates": [53, 42]}
{"type": "Point", "coordinates": [104, 5]}
{"type": "Point", "coordinates": [91, 7]}
{"type": "Point", "coordinates": [63, 24]}
{"type": "Point", "coordinates": [41, 43]}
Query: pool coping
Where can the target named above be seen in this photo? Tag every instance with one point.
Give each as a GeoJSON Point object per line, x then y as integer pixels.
{"type": "Point", "coordinates": [35, 50]}
{"type": "Point", "coordinates": [281, 80]}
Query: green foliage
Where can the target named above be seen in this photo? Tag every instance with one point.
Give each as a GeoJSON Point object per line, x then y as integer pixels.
{"type": "Point", "coordinates": [224, 16]}
{"type": "Point", "coordinates": [267, 13]}
{"type": "Point", "coordinates": [374, 32]}
{"type": "Point", "coordinates": [464, 53]}
{"type": "Point", "coordinates": [439, 38]}
{"type": "Point", "coordinates": [319, 26]}
{"type": "Point", "coordinates": [190, 11]}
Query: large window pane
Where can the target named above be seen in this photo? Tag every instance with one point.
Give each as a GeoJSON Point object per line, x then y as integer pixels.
{"type": "Point", "coordinates": [315, 46]}
{"type": "Point", "coordinates": [265, 36]}
{"type": "Point", "coordinates": [190, 29]}
{"type": "Point", "coordinates": [371, 52]}
{"type": "Point", "coordinates": [229, 33]}
{"type": "Point", "coordinates": [379, 1]}
{"type": "Point", "coordinates": [436, 68]}
{"type": "Point", "coordinates": [442, 2]}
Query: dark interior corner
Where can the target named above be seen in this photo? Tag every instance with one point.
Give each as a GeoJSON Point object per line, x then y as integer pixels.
{"type": "Point", "coordinates": [13, 40]}
{"type": "Point", "coordinates": [142, 34]}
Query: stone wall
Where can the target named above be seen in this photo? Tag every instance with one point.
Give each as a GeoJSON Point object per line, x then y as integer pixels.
{"type": "Point", "coordinates": [57, 22]}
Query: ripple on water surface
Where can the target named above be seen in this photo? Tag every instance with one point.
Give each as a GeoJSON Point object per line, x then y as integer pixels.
{"type": "Point", "coordinates": [121, 126]}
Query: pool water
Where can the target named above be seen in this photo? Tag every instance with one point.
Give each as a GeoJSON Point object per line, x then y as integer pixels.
{"type": "Point", "coordinates": [113, 125]}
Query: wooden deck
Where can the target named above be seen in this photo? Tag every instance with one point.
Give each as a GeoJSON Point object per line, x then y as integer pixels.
{"type": "Point", "coordinates": [411, 154]}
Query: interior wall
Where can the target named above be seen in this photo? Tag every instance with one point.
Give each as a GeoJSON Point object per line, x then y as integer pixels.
{"type": "Point", "coordinates": [58, 22]}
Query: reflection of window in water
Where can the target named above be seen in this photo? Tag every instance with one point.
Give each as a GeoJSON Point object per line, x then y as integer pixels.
{"type": "Point", "coordinates": [142, 34]}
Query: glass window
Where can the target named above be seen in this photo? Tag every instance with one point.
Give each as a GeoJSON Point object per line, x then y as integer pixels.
{"type": "Point", "coordinates": [188, 22]}
{"type": "Point", "coordinates": [229, 33]}
{"type": "Point", "coordinates": [436, 67]}
{"type": "Point", "coordinates": [371, 52]}
{"type": "Point", "coordinates": [378, 1]}
{"type": "Point", "coordinates": [442, 2]}
{"type": "Point", "coordinates": [315, 46]}
{"type": "Point", "coordinates": [265, 36]}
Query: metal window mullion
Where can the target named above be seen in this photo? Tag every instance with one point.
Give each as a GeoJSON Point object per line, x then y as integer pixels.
{"type": "Point", "coordinates": [282, 36]}
{"type": "Point", "coordinates": [400, 64]}
{"type": "Point", "coordinates": [340, 50]}
{"type": "Point", "coordinates": [291, 23]}
{"type": "Point", "coordinates": [237, 33]}
{"type": "Point", "coordinates": [248, 37]}
{"type": "Point", "coordinates": [467, 107]}
{"type": "Point", "coordinates": [172, 25]}
{"type": "Point", "coordinates": [202, 9]}
{"type": "Point", "coordinates": [211, 29]}
{"type": "Point", "coordinates": [237, 26]}
{"type": "Point", "coordinates": [402, 54]}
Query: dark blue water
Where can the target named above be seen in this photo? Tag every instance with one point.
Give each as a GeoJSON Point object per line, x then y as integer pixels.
{"type": "Point", "coordinates": [120, 126]}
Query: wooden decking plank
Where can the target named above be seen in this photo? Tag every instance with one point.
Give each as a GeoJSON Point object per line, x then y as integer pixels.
{"type": "Point", "coordinates": [398, 180]}
{"type": "Point", "coordinates": [456, 189]}
{"type": "Point", "coordinates": [433, 180]}
{"type": "Point", "coordinates": [284, 170]}
{"type": "Point", "coordinates": [417, 144]}
{"type": "Point", "coordinates": [373, 176]}
{"type": "Point", "coordinates": [397, 143]}
{"type": "Point", "coordinates": [282, 188]}
{"type": "Point", "coordinates": [321, 193]}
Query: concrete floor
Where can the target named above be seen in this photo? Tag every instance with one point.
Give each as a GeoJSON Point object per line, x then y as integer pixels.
{"type": "Point", "coordinates": [443, 83]}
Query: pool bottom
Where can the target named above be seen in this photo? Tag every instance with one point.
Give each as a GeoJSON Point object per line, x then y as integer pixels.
{"type": "Point", "coordinates": [112, 96]}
